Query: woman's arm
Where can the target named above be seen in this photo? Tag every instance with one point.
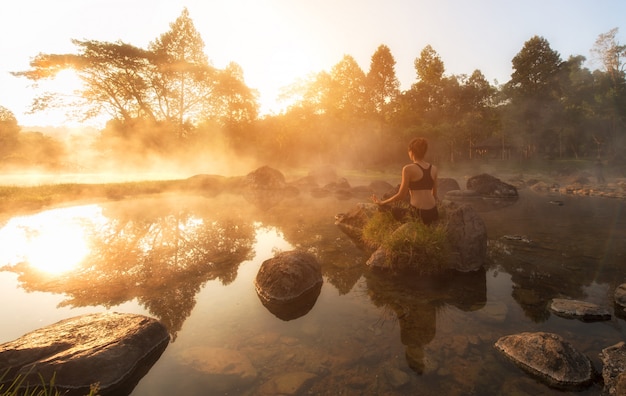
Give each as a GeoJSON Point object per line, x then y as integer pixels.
{"type": "Point", "coordinates": [404, 189]}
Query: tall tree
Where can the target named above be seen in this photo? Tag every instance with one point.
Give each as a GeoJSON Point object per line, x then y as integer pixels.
{"type": "Point", "coordinates": [347, 91]}
{"type": "Point", "coordinates": [114, 76]}
{"type": "Point", "coordinates": [612, 56]}
{"type": "Point", "coordinates": [382, 83]}
{"type": "Point", "coordinates": [186, 79]}
{"type": "Point", "coordinates": [171, 84]}
{"type": "Point", "coordinates": [534, 90]}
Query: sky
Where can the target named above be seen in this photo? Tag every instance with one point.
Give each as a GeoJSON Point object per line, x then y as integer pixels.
{"type": "Point", "coordinates": [277, 42]}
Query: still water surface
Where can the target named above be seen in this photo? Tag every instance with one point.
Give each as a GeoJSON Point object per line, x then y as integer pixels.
{"type": "Point", "coordinates": [190, 261]}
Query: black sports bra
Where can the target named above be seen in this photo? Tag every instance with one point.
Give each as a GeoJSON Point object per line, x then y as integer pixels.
{"type": "Point", "coordinates": [425, 183]}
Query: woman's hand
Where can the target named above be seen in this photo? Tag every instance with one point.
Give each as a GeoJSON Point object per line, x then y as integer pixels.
{"type": "Point", "coordinates": [376, 200]}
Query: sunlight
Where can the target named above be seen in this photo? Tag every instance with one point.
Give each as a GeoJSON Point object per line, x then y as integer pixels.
{"type": "Point", "coordinates": [53, 241]}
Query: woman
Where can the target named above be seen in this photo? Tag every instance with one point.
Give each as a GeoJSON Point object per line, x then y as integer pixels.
{"type": "Point", "coordinates": [420, 180]}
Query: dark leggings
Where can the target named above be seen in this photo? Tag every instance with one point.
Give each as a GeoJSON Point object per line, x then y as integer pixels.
{"type": "Point", "coordinates": [428, 216]}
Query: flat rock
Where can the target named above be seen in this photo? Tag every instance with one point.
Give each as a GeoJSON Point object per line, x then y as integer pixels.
{"type": "Point", "coordinates": [582, 310]}
{"type": "Point", "coordinates": [549, 358]}
{"type": "Point", "coordinates": [113, 349]}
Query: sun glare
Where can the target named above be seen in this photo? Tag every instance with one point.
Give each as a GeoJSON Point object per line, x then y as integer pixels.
{"type": "Point", "coordinates": [54, 241]}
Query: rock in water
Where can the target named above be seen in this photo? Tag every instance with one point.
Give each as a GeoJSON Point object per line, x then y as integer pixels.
{"type": "Point", "coordinates": [114, 350]}
{"type": "Point", "coordinates": [614, 369]}
{"type": "Point", "coordinates": [289, 283]}
{"type": "Point", "coordinates": [549, 358]}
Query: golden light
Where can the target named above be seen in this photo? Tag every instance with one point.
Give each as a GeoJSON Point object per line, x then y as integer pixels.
{"type": "Point", "coordinates": [53, 241]}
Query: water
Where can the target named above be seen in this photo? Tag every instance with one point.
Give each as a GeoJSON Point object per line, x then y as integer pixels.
{"type": "Point", "coordinates": [190, 261]}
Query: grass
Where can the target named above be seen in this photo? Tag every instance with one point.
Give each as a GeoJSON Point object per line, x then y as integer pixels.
{"type": "Point", "coordinates": [409, 245]}
{"type": "Point", "coordinates": [18, 388]}
{"type": "Point", "coordinates": [14, 198]}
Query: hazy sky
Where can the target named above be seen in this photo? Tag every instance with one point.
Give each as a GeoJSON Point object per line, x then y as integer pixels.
{"type": "Point", "coordinates": [279, 41]}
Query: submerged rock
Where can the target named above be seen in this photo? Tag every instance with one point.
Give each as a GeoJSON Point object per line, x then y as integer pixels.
{"type": "Point", "coordinates": [549, 358]}
{"type": "Point", "coordinates": [582, 310]}
{"type": "Point", "coordinates": [112, 349]}
{"type": "Point", "coordinates": [219, 370]}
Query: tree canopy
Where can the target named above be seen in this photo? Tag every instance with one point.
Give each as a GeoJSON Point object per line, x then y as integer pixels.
{"type": "Point", "coordinates": [170, 93]}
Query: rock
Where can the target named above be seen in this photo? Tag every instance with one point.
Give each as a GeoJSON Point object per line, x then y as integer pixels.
{"type": "Point", "coordinates": [289, 283]}
{"type": "Point", "coordinates": [294, 383]}
{"type": "Point", "coordinates": [265, 187]}
{"type": "Point", "coordinates": [620, 295]}
{"type": "Point", "coordinates": [614, 369]}
{"type": "Point", "coordinates": [467, 234]}
{"type": "Point", "coordinates": [549, 358]}
{"type": "Point", "coordinates": [113, 349]}
{"type": "Point", "coordinates": [396, 377]}
{"type": "Point", "coordinates": [339, 184]}
{"type": "Point", "coordinates": [490, 186]}
{"type": "Point", "coordinates": [582, 310]}
{"type": "Point", "coordinates": [462, 194]}
{"type": "Point", "coordinates": [380, 187]}
{"type": "Point", "coordinates": [378, 259]}
{"type": "Point", "coordinates": [265, 178]}
{"type": "Point", "coordinates": [221, 370]}
{"type": "Point", "coordinates": [352, 223]}
{"type": "Point", "coordinates": [445, 184]}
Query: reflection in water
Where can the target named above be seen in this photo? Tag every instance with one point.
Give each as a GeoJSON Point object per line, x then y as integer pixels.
{"type": "Point", "coordinates": [192, 260]}
{"type": "Point", "coordinates": [563, 249]}
{"type": "Point", "coordinates": [295, 308]}
{"type": "Point", "coordinates": [53, 241]}
{"type": "Point", "coordinates": [416, 301]}
{"type": "Point", "coordinates": [159, 255]}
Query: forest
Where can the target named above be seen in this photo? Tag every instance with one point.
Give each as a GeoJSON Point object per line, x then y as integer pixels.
{"type": "Point", "coordinates": [168, 101]}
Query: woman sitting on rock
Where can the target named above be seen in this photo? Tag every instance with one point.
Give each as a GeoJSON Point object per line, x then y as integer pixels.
{"type": "Point", "coordinates": [419, 179]}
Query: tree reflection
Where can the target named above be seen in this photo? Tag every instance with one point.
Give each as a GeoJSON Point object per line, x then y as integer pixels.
{"type": "Point", "coordinates": [157, 253]}
{"type": "Point", "coordinates": [416, 301]}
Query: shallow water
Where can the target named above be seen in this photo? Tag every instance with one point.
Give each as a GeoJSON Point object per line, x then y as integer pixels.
{"type": "Point", "coordinates": [190, 261]}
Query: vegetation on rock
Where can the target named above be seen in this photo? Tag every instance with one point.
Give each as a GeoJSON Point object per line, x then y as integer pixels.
{"type": "Point", "coordinates": [408, 243]}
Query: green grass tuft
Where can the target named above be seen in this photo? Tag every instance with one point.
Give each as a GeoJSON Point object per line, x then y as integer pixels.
{"type": "Point", "coordinates": [410, 245]}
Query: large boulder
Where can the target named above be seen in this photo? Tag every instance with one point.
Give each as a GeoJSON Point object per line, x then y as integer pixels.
{"type": "Point", "coordinates": [112, 349]}
{"type": "Point", "coordinates": [289, 283]}
{"type": "Point", "coordinates": [614, 369]}
{"type": "Point", "coordinates": [467, 234]}
{"type": "Point", "coordinates": [549, 358]}
{"type": "Point", "coordinates": [265, 178]}
{"type": "Point", "coordinates": [446, 184]}
{"type": "Point", "coordinates": [490, 186]}
{"type": "Point", "coordinates": [266, 187]}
